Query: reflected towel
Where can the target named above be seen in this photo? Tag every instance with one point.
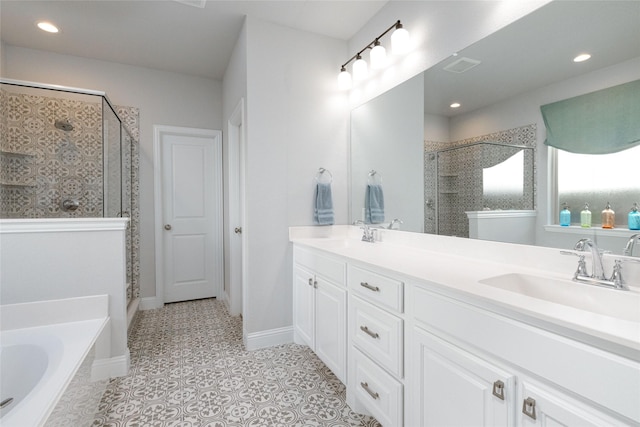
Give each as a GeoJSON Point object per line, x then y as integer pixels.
{"type": "Point", "coordinates": [374, 204]}
{"type": "Point", "coordinates": [323, 208]}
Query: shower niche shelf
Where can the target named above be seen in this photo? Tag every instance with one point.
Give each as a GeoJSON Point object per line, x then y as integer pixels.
{"type": "Point", "coordinates": [16, 169]}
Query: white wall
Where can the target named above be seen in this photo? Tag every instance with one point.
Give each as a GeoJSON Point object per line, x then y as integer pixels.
{"type": "Point", "coordinates": [163, 98]}
{"type": "Point", "coordinates": [297, 121]}
{"type": "Point", "coordinates": [525, 109]}
{"type": "Point", "coordinates": [386, 135]}
{"type": "Point", "coordinates": [234, 89]}
{"type": "Point", "coordinates": [437, 29]}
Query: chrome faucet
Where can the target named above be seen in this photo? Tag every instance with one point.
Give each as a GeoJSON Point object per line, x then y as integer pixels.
{"type": "Point", "coordinates": [367, 232]}
{"type": "Point", "coordinates": [392, 223]}
{"type": "Point", "coordinates": [597, 276]}
{"type": "Point", "coordinates": [628, 249]}
{"type": "Point", "coordinates": [597, 271]}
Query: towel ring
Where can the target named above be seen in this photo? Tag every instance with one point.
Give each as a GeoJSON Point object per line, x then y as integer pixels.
{"type": "Point", "coordinates": [374, 177]}
{"type": "Point", "coordinates": [322, 172]}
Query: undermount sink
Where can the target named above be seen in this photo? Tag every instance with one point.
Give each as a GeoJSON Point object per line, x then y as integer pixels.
{"type": "Point", "coordinates": [615, 303]}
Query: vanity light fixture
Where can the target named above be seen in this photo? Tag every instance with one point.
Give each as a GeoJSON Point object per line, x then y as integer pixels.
{"type": "Point", "coordinates": [48, 27]}
{"type": "Point", "coordinates": [378, 56]}
{"type": "Point", "coordinates": [582, 57]}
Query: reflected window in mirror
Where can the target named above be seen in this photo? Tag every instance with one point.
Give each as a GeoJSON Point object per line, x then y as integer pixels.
{"type": "Point", "coordinates": [506, 178]}
{"type": "Point", "coordinates": [598, 179]}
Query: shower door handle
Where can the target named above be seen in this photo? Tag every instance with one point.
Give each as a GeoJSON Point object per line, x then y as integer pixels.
{"type": "Point", "coordinates": [167, 227]}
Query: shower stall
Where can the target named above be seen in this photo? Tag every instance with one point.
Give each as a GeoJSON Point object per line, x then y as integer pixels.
{"type": "Point", "coordinates": [69, 153]}
{"type": "Point", "coordinates": [473, 177]}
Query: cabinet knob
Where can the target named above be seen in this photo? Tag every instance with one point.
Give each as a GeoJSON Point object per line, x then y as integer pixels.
{"type": "Point", "coordinates": [315, 284]}
{"type": "Point", "coordinates": [369, 332]}
{"type": "Point", "coordinates": [167, 227]}
{"type": "Point", "coordinates": [529, 408]}
{"type": "Point", "coordinates": [366, 388]}
{"type": "Point", "coordinates": [498, 389]}
{"type": "Point", "coordinates": [368, 286]}
{"type": "Point", "coordinates": [310, 281]}
{"type": "Point", "coordinates": [237, 230]}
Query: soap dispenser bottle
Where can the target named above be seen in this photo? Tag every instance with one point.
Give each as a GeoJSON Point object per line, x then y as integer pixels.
{"type": "Point", "coordinates": [634, 218]}
{"type": "Point", "coordinates": [608, 217]}
{"type": "Point", "coordinates": [585, 217]}
{"type": "Point", "coordinates": [565, 216]}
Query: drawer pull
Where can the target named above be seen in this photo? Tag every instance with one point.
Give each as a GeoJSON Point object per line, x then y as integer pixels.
{"type": "Point", "coordinates": [368, 332]}
{"type": "Point", "coordinates": [366, 388]}
{"type": "Point", "coordinates": [498, 389]}
{"type": "Point", "coordinates": [368, 286]}
{"type": "Point", "coordinates": [529, 408]}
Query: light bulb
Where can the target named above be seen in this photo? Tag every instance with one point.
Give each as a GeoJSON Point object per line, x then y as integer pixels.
{"type": "Point", "coordinates": [400, 40]}
{"type": "Point", "coordinates": [360, 69]}
{"type": "Point", "coordinates": [344, 79]}
{"type": "Point", "coordinates": [378, 56]}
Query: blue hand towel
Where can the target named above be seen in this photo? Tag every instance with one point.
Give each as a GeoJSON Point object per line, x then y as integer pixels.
{"type": "Point", "coordinates": [323, 209]}
{"type": "Point", "coordinates": [374, 204]}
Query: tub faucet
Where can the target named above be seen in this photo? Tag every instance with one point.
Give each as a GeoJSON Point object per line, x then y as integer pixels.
{"type": "Point", "coordinates": [628, 249]}
{"type": "Point", "coordinates": [597, 271]}
{"type": "Point", "coordinates": [367, 232]}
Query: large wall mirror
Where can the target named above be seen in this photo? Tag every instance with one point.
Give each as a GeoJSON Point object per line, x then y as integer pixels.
{"type": "Point", "coordinates": [424, 152]}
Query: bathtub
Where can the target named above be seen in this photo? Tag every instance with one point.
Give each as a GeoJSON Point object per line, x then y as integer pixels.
{"type": "Point", "coordinates": [45, 347]}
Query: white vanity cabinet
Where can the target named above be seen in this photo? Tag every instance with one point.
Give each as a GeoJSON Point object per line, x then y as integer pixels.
{"type": "Point", "coordinates": [376, 345]}
{"type": "Point", "coordinates": [469, 366]}
{"type": "Point", "coordinates": [320, 307]}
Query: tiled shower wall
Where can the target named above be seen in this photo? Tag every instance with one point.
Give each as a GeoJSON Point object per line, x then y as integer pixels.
{"type": "Point", "coordinates": [40, 165]}
{"type": "Point", "coordinates": [453, 179]}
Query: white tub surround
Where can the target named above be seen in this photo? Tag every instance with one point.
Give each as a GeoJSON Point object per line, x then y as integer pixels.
{"type": "Point", "coordinates": [509, 226]}
{"type": "Point", "coordinates": [422, 312]}
{"type": "Point", "coordinates": [52, 259]}
{"type": "Point", "coordinates": [68, 332]}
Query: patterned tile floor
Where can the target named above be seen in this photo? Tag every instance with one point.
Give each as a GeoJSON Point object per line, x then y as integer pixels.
{"type": "Point", "coordinates": [189, 368]}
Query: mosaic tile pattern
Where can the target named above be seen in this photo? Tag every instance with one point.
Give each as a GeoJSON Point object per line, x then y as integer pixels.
{"type": "Point", "coordinates": [453, 179]}
{"type": "Point", "coordinates": [189, 368]}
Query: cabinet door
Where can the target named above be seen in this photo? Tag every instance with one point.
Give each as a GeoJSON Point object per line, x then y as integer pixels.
{"type": "Point", "coordinates": [540, 405]}
{"type": "Point", "coordinates": [451, 387]}
{"type": "Point", "coordinates": [303, 306]}
{"type": "Point", "coordinates": [331, 327]}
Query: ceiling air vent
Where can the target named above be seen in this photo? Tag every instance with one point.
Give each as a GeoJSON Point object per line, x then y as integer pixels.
{"type": "Point", "coordinates": [462, 65]}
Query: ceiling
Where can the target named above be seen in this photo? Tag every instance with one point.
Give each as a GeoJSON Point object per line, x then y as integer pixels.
{"type": "Point", "coordinates": [169, 35]}
{"type": "Point", "coordinates": [537, 51]}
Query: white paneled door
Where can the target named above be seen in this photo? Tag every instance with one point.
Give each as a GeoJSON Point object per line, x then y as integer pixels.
{"type": "Point", "coordinates": [191, 192]}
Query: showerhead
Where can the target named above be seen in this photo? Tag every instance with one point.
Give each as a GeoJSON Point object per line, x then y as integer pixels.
{"type": "Point", "coordinates": [64, 125]}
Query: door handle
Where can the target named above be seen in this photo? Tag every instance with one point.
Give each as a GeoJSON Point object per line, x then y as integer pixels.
{"type": "Point", "coordinates": [237, 230]}
{"type": "Point", "coordinates": [167, 226]}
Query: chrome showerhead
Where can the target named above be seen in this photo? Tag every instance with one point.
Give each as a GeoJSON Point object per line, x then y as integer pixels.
{"type": "Point", "coordinates": [64, 125]}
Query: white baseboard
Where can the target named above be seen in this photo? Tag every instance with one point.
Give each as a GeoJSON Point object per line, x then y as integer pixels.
{"type": "Point", "coordinates": [256, 340]}
{"type": "Point", "coordinates": [111, 367]}
{"type": "Point", "coordinates": [150, 303]}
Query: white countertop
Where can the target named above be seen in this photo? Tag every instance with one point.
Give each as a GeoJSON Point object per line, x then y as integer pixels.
{"type": "Point", "coordinates": [455, 265]}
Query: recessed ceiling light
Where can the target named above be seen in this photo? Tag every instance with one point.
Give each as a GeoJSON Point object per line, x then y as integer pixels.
{"type": "Point", "coordinates": [582, 57]}
{"type": "Point", "coordinates": [48, 27]}
{"type": "Point", "coordinates": [455, 105]}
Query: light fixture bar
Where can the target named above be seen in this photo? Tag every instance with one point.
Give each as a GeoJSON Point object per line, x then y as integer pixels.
{"type": "Point", "coordinates": [369, 46]}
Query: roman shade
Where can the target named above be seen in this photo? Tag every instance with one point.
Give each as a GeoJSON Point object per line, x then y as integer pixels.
{"type": "Point", "coordinates": [601, 122]}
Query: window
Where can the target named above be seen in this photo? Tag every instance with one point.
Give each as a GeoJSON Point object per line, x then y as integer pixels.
{"type": "Point", "coordinates": [597, 179]}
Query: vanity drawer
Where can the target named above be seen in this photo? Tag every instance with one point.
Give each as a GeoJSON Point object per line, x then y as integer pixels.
{"type": "Point", "coordinates": [377, 333]}
{"type": "Point", "coordinates": [377, 391]}
{"type": "Point", "coordinates": [328, 267]}
{"type": "Point", "coordinates": [376, 288]}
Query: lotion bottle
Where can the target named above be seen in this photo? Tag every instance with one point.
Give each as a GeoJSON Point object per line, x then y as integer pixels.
{"type": "Point", "coordinates": [585, 217]}
{"type": "Point", "coordinates": [608, 217]}
{"type": "Point", "coordinates": [634, 218]}
{"type": "Point", "coordinates": [565, 216]}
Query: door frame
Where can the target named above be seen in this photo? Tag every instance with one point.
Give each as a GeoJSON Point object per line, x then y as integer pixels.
{"type": "Point", "coordinates": [158, 132]}
{"type": "Point", "coordinates": [237, 208]}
